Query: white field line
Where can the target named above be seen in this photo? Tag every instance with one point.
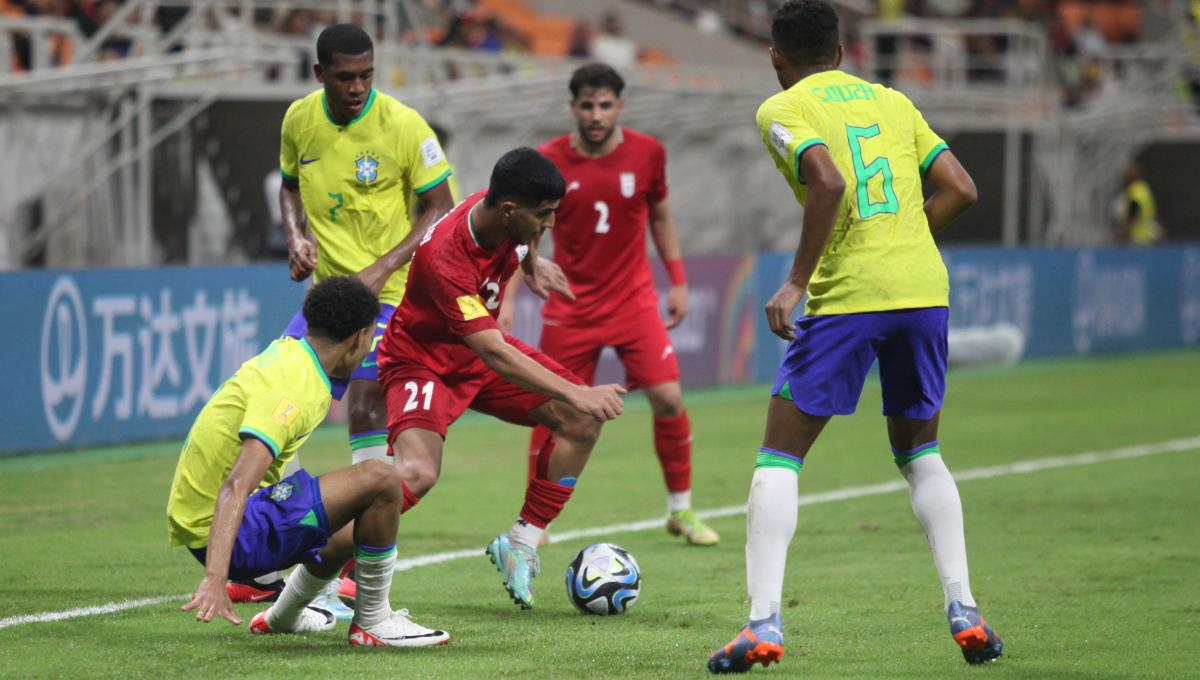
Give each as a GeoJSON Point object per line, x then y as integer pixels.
{"type": "Point", "coordinates": [1018, 468]}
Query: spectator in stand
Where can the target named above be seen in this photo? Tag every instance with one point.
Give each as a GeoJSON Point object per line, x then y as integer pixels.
{"type": "Point", "coordinates": [1137, 216]}
{"type": "Point", "coordinates": [611, 47]}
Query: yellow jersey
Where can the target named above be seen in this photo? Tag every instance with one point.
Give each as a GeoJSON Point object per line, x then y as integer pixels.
{"type": "Point", "coordinates": [1139, 209]}
{"type": "Point", "coordinates": [356, 179]}
{"type": "Point", "coordinates": [880, 255]}
{"type": "Point", "coordinates": [278, 397]}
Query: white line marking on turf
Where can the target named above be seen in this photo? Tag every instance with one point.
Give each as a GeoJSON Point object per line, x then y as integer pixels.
{"type": "Point", "coordinates": [109, 608]}
{"type": "Point", "coordinates": [1019, 468]}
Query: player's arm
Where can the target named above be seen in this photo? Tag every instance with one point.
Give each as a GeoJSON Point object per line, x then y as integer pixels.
{"type": "Point", "coordinates": [302, 251]}
{"type": "Point", "coordinates": [210, 598]}
{"type": "Point", "coordinates": [508, 309]}
{"type": "Point", "coordinates": [666, 240]}
{"type": "Point", "coordinates": [602, 402]}
{"type": "Point", "coordinates": [954, 193]}
{"type": "Point", "coordinates": [825, 188]}
{"type": "Point", "coordinates": [435, 202]}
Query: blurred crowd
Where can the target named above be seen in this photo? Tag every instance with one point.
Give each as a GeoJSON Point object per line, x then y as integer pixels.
{"type": "Point", "coordinates": [1078, 33]}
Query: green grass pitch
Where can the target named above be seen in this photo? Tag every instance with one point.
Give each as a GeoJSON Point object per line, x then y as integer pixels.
{"type": "Point", "coordinates": [1086, 571]}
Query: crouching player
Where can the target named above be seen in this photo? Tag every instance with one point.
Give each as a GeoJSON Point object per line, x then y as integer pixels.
{"type": "Point", "coordinates": [230, 508]}
{"type": "Point", "coordinates": [443, 352]}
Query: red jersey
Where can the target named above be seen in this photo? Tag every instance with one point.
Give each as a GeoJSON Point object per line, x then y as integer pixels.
{"type": "Point", "coordinates": [455, 288]}
{"type": "Point", "coordinates": [600, 228]}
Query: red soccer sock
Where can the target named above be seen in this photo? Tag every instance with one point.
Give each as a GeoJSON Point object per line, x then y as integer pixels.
{"type": "Point", "coordinates": [541, 446]}
{"type": "Point", "coordinates": [410, 498]}
{"type": "Point", "coordinates": [543, 501]}
{"type": "Point", "coordinates": [673, 444]}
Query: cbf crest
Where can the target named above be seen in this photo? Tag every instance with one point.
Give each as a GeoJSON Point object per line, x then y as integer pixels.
{"type": "Point", "coordinates": [281, 492]}
{"type": "Point", "coordinates": [628, 184]}
{"type": "Point", "coordinates": [366, 168]}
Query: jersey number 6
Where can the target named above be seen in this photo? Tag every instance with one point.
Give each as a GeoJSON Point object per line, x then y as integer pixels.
{"type": "Point", "coordinates": [865, 172]}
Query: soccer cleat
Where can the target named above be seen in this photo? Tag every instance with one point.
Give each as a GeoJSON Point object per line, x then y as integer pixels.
{"type": "Point", "coordinates": [347, 590]}
{"type": "Point", "coordinates": [312, 620]}
{"type": "Point", "coordinates": [398, 630]}
{"type": "Point", "coordinates": [330, 599]}
{"type": "Point", "coordinates": [757, 642]}
{"type": "Point", "coordinates": [978, 641]}
{"type": "Point", "coordinates": [252, 591]}
{"type": "Point", "coordinates": [518, 566]}
{"type": "Point", "coordinates": [685, 523]}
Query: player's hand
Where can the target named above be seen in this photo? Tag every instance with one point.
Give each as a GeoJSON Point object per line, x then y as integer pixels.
{"type": "Point", "coordinates": [779, 309]}
{"type": "Point", "coordinates": [602, 402]}
{"type": "Point", "coordinates": [211, 599]}
{"type": "Point", "coordinates": [302, 258]}
{"type": "Point", "coordinates": [677, 305]}
{"type": "Point", "coordinates": [548, 277]}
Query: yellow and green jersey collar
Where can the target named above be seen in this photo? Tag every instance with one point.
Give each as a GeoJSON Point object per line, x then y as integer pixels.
{"type": "Point", "coordinates": [361, 114]}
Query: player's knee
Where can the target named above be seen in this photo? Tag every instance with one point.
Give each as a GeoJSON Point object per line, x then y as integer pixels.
{"type": "Point", "coordinates": [419, 475]}
{"type": "Point", "coordinates": [367, 413]}
{"type": "Point", "coordinates": [667, 405]}
{"type": "Point", "coordinates": [579, 428]}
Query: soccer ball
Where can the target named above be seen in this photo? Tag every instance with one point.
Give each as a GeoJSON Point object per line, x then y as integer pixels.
{"type": "Point", "coordinates": [603, 579]}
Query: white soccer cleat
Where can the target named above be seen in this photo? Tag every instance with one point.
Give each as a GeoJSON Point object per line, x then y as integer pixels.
{"type": "Point", "coordinates": [312, 620]}
{"type": "Point", "coordinates": [396, 631]}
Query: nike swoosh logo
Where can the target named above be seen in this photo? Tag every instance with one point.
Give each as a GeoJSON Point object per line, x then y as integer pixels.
{"type": "Point", "coordinates": [306, 161]}
{"type": "Point", "coordinates": [436, 633]}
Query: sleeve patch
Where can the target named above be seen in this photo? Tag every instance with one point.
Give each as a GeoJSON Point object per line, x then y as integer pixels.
{"type": "Point", "coordinates": [431, 152]}
{"type": "Point", "coordinates": [522, 251]}
{"type": "Point", "coordinates": [472, 307]}
{"type": "Point", "coordinates": [285, 412]}
{"type": "Point", "coordinates": [781, 137]}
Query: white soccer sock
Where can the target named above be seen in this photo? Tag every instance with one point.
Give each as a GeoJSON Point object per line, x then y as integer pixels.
{"type": "Point", "coordinates": [679, 500]}
{"type": "Point", "coordinates": [936, 504]}
{"type": "Point", "coordinates": [370, 453]}
{"type": "Point", "coordinates": [770, 523]}
{"type": "Point", "coordinates": [525, 534]}
{"type": "Point", "coordinates": [302, 586]}
{"type": "Point", "coordinates": [373, 575]}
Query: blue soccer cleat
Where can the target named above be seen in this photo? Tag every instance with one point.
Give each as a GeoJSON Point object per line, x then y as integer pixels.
{"type": "Point", "coordinates": [757, 642]}
{"type": "Point", "coordinates": [978, 641]}
{"type": "Point", "coordinates": [518, 565]}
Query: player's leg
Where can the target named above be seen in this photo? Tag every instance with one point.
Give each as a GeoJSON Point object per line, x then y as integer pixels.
{"type": "Point", "coordinates": [557, 468]}
{"type": "Point", "coordinates": [650, 363]}
{"type": "Point", "coordinates": [578, 351]}
{"type": "Point", "coordinates": [912, 368]}
{"type": "Point", "coordinates": [366, 410]}
{"type": "Point", "coordinates": [821, 375]}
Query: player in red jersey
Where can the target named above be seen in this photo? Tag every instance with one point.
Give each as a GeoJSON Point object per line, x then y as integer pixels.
{"type": "Point", "coordinates": [616, 184]}
{"type": "Point", "coordinates": [443, 352]}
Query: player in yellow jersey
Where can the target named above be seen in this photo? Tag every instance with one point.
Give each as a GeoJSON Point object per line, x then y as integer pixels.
{"type": "Point", "coordinates": [229, 506]}
{"type": "Point", "coordinates": [855, 154]}
{"type": "Point", "coordinates": [351, 159]}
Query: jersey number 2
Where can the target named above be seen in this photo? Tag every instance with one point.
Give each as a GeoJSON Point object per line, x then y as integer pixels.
{"type": "Point", "coordinates": [602, 225]}
{"type": "Point", "coordinates": [413, 391]}
{"type": "Point", "coordinates": [865, 172]}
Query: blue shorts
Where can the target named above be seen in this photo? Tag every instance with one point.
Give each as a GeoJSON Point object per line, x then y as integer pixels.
{"type": "Point", "coordinates": [824, 368]}
{"type": "Point", "coordinates": [369, 368]}
{"type": "Point", "coordinates": [284, 524]}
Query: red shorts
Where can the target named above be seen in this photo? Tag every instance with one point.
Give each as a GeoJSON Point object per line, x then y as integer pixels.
{"type": "Point", "coordinates": [419, 398]}
{"type": "Point", "coordinates": [641, 342]}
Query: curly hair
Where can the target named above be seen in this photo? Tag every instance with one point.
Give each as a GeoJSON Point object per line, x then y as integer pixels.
{"type": "Point", "coordinates": [339, 307]}
{"type": "Point", "coordinates": [345, 39]}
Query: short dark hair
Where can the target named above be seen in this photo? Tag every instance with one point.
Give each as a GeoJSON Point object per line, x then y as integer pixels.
{"type": "Point", "coordinates": [527, 177]}
{"type": "Point", "coordinates": [339, 307]}
{"type": "Point", "coordinates": [596, 76]}
{"type": "Point", "coordinates": [806, 32]}
{"type": "Point", "coordinates": [343, 39]}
